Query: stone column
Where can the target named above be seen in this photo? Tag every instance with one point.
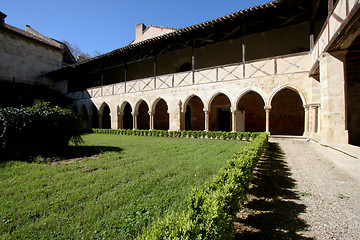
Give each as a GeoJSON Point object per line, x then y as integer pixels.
{"type": "Point", "coordinates": [267, 118]}
{"type": "Point", "coordinates": [333, 84]}
{"type": "Point", "coordinates": [134, 114]}
{"type": "Point", "coordinates": [114, 120]}
{"type": "Point", "coordinates": [90, 121]}
{"type": "Point", "coordinates": [182, 120]}
{"type": "Point", "coordinates": [100, 121]}
{"type": "Point", "coordinates": [306, 123]}
{"type": "Point", "coordinates": [233, 118]}
{"type": "Point", "coordinates": [151, 117]}
{"type": "Point", "coordinates": [207, 119]}
{"type": "Point", "coordinates": [315, 116]}
{"type": "Point", "coordinates": [121, 120]}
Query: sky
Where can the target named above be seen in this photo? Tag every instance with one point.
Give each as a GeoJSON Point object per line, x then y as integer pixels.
{"type": "Point", "coordinates": [105, 25]}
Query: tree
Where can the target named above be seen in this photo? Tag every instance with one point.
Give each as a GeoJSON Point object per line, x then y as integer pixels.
{"type": "Point", "coordinates": [76, 51]}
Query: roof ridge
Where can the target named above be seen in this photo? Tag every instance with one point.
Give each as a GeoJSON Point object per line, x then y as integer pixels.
{"type": "Point", "coordinates": [185, 29]}
{"type": "Point", "coordinates": [30, 35]}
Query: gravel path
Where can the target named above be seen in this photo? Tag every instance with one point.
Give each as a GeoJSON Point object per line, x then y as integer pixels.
{"type": "Point", "coordinates": [302, 191]}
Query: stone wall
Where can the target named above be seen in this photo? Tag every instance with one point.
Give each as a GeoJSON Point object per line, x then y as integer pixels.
{"type": "Point", "coordinates": [24, 60]}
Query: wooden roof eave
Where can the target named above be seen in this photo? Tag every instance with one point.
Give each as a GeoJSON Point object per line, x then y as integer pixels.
{"type": "Point", "coordinates": [207, 32]}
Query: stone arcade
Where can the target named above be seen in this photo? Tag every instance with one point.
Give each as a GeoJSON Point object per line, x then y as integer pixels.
{"type": "Point", "coordinates": [288, 67]}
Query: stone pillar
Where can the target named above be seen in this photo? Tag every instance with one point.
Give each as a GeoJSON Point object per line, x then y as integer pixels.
{"type": "Point", "coordinates": [121, 120]}
{"type": "Point", "coordinates": [306, 123]}
{"type": "Point", "coordinates": [114, 120]}
{"type": "Point", "coordinates": [100, 121]}
{"type": "Point", "coordinates": [182, 116]}
{"type": "Point", "coordinates": [315, 116]}
{"type": "Point", "coordinates": [267, 118]}
{"type": "Point", "coordinates": [134, 114]}
{"type": "Point", "coordinates": [177, 119]}
{"type": "Point", "coordinates": [170, 114]}
{"type": "Point", "coordinates": [233, 118]}
{"type": "Point", "coordinates": [151, 117]}
{"type": "Point", "coordinates": [333, 84]}
{"type": "Point", "coordinates": [207, 119]}
{"type": "Point", "coordinates": [90, 121]}
{"type": "Point", "coordinates": [240, 121]}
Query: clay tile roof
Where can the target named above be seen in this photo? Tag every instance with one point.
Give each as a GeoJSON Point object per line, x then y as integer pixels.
{"type": "Point", "coordinates": [31, 36]}
{"type": "Point", "coordinates": [181, 31]}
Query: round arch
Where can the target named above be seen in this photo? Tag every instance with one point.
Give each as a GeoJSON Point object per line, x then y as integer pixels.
{"type": "Point", "coordinates": [250, 116]}
{"type": "Point", "coordinates": [161, 116]}
{"type": "Point", "coordinates": [287, 113]}
{"type": "Point", "coordinates": [74, 109]}
{"type": "Point", "coordinates": [84, 117]}
{"type": "Point", "coordinates": [220, 118]}
{"type": "Point", "coordinates": [125, 111]}
{"type": "Point", "coordinates": [194, 118]}
{"type": "Point", "coordinates": [188, 98]}
{"type": "Point", "coordinates": [213, 96]}
{"type": "Point", "coordinates": [246, 91]}
{"type": "Point", "coordinates": [104, 112]}
{"type": "Point", "coordinates": [278, 89]}
{"type": "Point", "coordinates": [143, 118]}
{"type": "Point", "coordinates": [95, 116]}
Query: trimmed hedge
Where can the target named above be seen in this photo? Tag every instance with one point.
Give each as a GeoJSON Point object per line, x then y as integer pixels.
{"type": "Point", "coordinates": [245, 136]}
{"type": "Point", "coordinates": [212, 208]}
{"type": "Point", "coordinates": [38, 130]}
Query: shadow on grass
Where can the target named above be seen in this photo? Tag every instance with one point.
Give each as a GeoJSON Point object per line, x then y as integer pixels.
{"type": "Point", "coordinates": [71, 152]}
{"type": "Point", "coordinates": [273, 208]}
{"type": "Point", "coordinates": [86, 151]}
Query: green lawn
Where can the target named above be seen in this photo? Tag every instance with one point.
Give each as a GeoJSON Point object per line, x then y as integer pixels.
{"type": "Point", "coordinates": [135, 181]}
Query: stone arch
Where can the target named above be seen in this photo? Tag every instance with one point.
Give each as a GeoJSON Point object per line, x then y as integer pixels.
{"type": "Point", "coordinates": [105, 118]}
{"type": "Point", "coordinates": [84, 117]}
{"type": "Point", "coordinates": [125, 112]}
{"type": "Point", "coordinates": [143, 118]}
{"type": "Point", "coordinates": [214, 95]}
{"type": "Point", "coordinates": [250, 114]}
{"type": "Point", "coordinates": [161, 115]}
{"type": "Point", "coordinates": [220, 118]}
{"type": "Point", "coordinates": [95, 116]}
{"type": "Point", "coordinates": [75, 110]}
{"type": "Point", "coordinates": [247, 90]}
{"type": "Point", "coordinates": [194, 113]}
{"type": "Point", "coordinates": [278, 89]}
{"type": "Point", "coordinates": [287, 114]}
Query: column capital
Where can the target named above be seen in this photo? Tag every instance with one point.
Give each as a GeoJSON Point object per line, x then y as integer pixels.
{"type": "Point", "coordinates": [306, 106]}
{"type": "Point", "coordinates": [267, 108]}
{"type": "Point", "coordinates": [233, 109]}
{"type": "Point", "coordinates": [151, 113]}
{"type": "Point", "coordinates": [314, 105]}
{"type": "Point", "coordinates": [206, 110]}
{"type": "Point", "coordinates": [134, 113]}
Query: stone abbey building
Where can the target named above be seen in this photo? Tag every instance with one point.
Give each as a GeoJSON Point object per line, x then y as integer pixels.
{"type": "Point", "coordinates": [25, 55]}
{"type": "Point", "coordinates": [288, 67]}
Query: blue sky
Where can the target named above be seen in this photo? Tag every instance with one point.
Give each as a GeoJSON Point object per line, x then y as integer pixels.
{"type": "Point", "coordinates": [105, 25]}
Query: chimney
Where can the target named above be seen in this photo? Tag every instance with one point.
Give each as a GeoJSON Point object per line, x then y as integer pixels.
{"type": "Point", "coordinates": [2, 20]}
{"type": "Point", "coordinates": [140, 28]}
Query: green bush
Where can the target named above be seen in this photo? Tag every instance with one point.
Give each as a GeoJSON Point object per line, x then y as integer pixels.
{"type": "Point", "coordinates": [38, 130]}
{"type": "Point", "coordinates": [242, 136]}
{"type": "Point", "coordinates": [213, 207]}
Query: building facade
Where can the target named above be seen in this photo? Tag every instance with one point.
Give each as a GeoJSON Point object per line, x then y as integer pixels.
{"type": "Point", "coordinates": [286, 67]}
{"type": "Point", "coordinates": [24, 56]}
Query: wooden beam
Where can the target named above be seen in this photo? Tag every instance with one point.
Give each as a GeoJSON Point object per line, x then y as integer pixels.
{"type": "Point", "coordinates": [315, 9]}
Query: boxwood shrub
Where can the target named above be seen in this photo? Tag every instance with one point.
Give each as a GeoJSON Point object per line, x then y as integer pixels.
{"type": "Point", "coordinates": [244, 136]}
{"type": "Point", "coordinates": [38, 130]}
{"type": "Point", "coordinates": [211, 209]}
